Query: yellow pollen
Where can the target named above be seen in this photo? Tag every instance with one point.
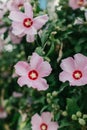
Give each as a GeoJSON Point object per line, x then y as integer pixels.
{"type": "Point", "coordinates": [20, 6]}
{"type": "Point", "coordinates": [77, 75]}
{"type": "Point", "coordinates": [43, 127]}
{"type": "Point", "coordinates": [27, 23]}
{"type": "Point", "coordinates": [33, 75]}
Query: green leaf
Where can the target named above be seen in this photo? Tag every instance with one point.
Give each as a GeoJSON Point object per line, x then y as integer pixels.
{"type": "Point", "coordinates": [44, 36]}
{"type": "Point", "coordinates": [64, 124]}
{"type": "Point", "coordinates": [51, 50]}
{"type": "Point", "coordinates": [63, 86]}
{"type": "Point", "coordinates": [72, 106]}
{"type": "Point", "coordinates": [40, 51]}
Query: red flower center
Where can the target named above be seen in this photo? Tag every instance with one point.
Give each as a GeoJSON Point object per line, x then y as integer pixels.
{"type": "Point", "coordinates": [77, 74]}
{"type": "Point", "coordinates": [43, 126]}
{"type": "Point", "coordinates": [33, 75]}
{"type": "Point", "coordinates": [80, 2]}
{"type": "Point", "coordinates": [20, 6]}
{"type": "Point", "coordinates": [27, 22]}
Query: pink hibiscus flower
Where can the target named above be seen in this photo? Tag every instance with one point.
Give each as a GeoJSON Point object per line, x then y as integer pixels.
{"type": "Point", "coordinates": [25, 24]}
{"type": "Point", "coordinates": [74, 70]}
{"type": "Point", "coordinates": [43, 122]}
{"type": "Point", "coordinates": [74, 4]}
{"type": "Point", "coordinates": [15, 5]}
{"type": "Point", "coordinates": [32, 74]}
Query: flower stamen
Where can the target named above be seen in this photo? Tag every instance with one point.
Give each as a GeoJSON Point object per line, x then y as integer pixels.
{"type": "Point", "coordinates": [43, 126]}
{"type": "Point", "coordinates": [77, 74]}
{"type": "Point", "coordinates": [33, 75]}
{"type": "Point", "coordinates": [20, 6]}
{"type": "Point", "coordinates": [27, 22]}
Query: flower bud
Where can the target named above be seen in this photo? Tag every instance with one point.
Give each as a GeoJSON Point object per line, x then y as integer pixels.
{"type": "Point", "coordinates": [84, 116]}
{"type": "Point", "coordinates": [53, 106]}
{"type": "Point", "coordinates": [74, 117]}
{"type": "Point", "coordinates": [64, 113]}
{"type": "Point", "coordinates": [54, 93]}
{"type": "Point", "coordinates": [54, 32]}
{"type": "Point", "coordinates": [48, 100]}
{"type": "Point", "coordinates": [48, 94]}
{"type": "Point", "coordinates": [82, 121]}
{"type": "Point", "coordinates": [78, 114]}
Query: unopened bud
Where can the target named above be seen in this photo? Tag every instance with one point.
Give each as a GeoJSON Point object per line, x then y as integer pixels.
{"type": "Point", "coordinates": [54, 93]}
{"type": "Point", "coordinates": [84, 116]}
{"type": "Point", "coordinates": [64, 113]}
{"type": "Point", "coordinates": [82, 121]}
{"type": "Point", "coordinates": [48, 100]}
{"type": "Point", "coordinates": [78, 114]}
{"type": "Point", "coordinates": [74, 117]}
{"type": "Point", "coordinates": [48, 94]}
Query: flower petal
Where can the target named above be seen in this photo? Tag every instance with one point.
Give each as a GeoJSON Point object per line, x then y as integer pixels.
{"type": "Point", "coordinates": [40, 84]}
{"type": "Point", "coordinates": [36, 122]}
{"type": "Point", "coordinates": [30, 38]}
{"type": "Point", "coordinates": [73, 4]}
{"type": "Point", "coordinates": [19, 2]}
{"type": "Point", "coordinates": [18, 29]}
{"type": "Point", "coordinates": [15, 39]}
{"type": "Point", "coordinates": [30, 31]}
{"type": "Point", "coordinates": [39, 21]}
{"type": "Point", "coordinates": [28, 10]}
{"type": "Point", "coordinates": [53, 126]}
{"type": "Point", "coordinates": [79, 82]}
{"type": "Point", "coordinates": [64, 76]}
{"type": "Point", "coordinates": [21, 68]}
{"type": "Point", "coordinates": [46, 117]}
{"type": "Point", "coordinates": [24, 80]}
{"type": "Point", "coordinates": [44, 69]}
{"type": "Point", "coordinates": [80, 61]}
{"type": "Point", "coordinates": [35, 61]}
{"type": "Point", "coordinates": [3, 30]}
{"type": "Point", "coordinates": [68, 64]}
{"type": "Point", "coordinates": [17, 16]}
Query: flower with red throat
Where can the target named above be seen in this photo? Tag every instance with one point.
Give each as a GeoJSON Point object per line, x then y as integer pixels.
{"type": "Point", "coordinates": [15, 5]}
{"type": "Point", "coordinates": [32, 74]}
{"type": "Point", "coordinates": [75, 4]}
{"type": "Point", "coordinates": [74, 70]}
{"type": "Point", "coordinates": [43, 122]}
{"type": "Point", "coordinates": [24, 23]}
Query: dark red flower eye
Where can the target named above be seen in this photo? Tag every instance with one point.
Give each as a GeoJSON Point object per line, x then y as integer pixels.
{"type": "Point", "coordinates": [77, 74]}
{"type": "Point", "coordinates": [33, 75]}
{"type": "Point", "coordinates": [27, 22]}
{"type": "Point", "coordinates": [43, 126]}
